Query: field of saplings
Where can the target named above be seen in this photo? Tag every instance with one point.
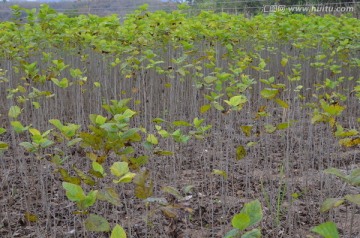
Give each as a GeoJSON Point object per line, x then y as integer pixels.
{"type": "Point", "coordinates": [170, 124]}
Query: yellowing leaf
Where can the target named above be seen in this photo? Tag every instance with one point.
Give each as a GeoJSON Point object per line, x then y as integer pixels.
{"type": "Point", "coordinates": [240, 152]}
{"type": "Point", "coordinates": [246, 130]}
{"type": "Point", "coordinates": [220, 172]}
{"type": "Point", "coordinates": [30, 217]}
{"type": "Point", "coordinates": [97, 223]}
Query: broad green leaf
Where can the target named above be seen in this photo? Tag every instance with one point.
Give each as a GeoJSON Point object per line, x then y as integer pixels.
{"type": "Point", "coordinates": [127, 178]}
{"type": "Point", "coordinates": [236, 100]}
{"type": "Point", "coordinates": [119, 168]}
{"type": "Point", "coordinates": [197, 122]}
{"type": "Point", "coordinates": [74, 192]}
{"type": "Point", "coordinates": [97, 223]}
{"type": "Point", "coordinates": [254, 210]}
{"type": "Point", "coordinates": [129, 133]}
{"type": "Point", "coordinates": [210, 79]}
{"type": "Point", "coordinates": [283, 126]}
{"type": "Point", "coordinates": [73, 142]}
{"type": "Point", "coordinates": [332, 109]}
{"type": "Point", "coordinates": [118, 232]}
{"type": "Point", "coordinates": [14, 111]}
{"type": "Point", "coordinates": [88, 201]}
{"type": "Point", "coordinates": [241, 221]}
{"type": "Point", "coordinates": [355, 198]}
{"type": "Point", "coordinates": [255, 233]}
{"type": "Point", "coordinates": [269, 93]}
{"type": "Point", "coordinates": [281, 103]}
{"type": "Point", "coordinates": [240, 152]}
{"type": "Point", "coordinates": [234, 233]}
{"type": "Point", "coordinates": [151, 138]}
{"type": "Point", "coordinates": [354, 177]}
{"type": "Point", "coordinates": [36, 105]}
{"type": "Point", "coordinates": [18, 127]}
{"type": "Point", "coordinates": [2, 130]}
{"type": "Point", "coordinates": [57, 123]}
{"type": "Point", "coordinates": [335, 172]}
{"type": "Point", "coordinates": [34, 132]}
{"type": "Point", "coordinates": [205, 108]}
{"type": "Point", "coordinates": [284, 62]}
{"type": "Point", "coordinates": [100, 120]}
{"type": "Point", "coordinates": [128, 113]}
{"type": "Point", "coordinates": [97, 167]}
{"type": "Point", "coordinates": [270, 128]}
{"type": "Point", "coordinates": [330, 203]}
{"type": "Point", "coordinates": [109, 195]}
{"type": "Point", "coordinates": [28, 146]}
{"type": "Point", "coordinates": [327, 230]}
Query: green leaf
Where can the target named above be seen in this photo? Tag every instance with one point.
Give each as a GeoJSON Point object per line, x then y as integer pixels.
{"type": "Point", "coordinates": [151, 138]}
{"type": "Point", "coordinates": [330, 203]}
{"type": "Point", "coordinates": [281, 103]}
{"type": "Point", "coordinates": [118, 232]}
{"type": "Point", "coordinates": [234, 233]}
{"type": "Point", "coordinates": [88, 201]}
{"type": "Point", "coordinates": [354, 177]}
{"type": "Point", "coordinates": [254, 233]}
{"type": "Point", "coordinates": [109, 195]}
{"type": "Point", "coordinates": [269, 93]}
{"type": "Point", "coordinates": [205, 108]}
{"type": "Point", "coordinates": [327, 230]}
{"type": "Point", "coordinates": [163, 152]}
{"type": "Point", "coordinates": [18, 127]}
{"type": "Point", "coordinates": [119, 168]}
{"type": "Point", "coordinates": [97, 223]}
{"type": "Point", "coordinates": [127, 178]}
{"type": "Point", "coordinates": [181, 123]}
{"type": "Point", "coordinates": [355, 198]}
{"type": "Point", "coordinates": [74, 192]}
{"type": "Point", "coordinates": [158, 120]}
{"type": "Point", "coordinates": [2, 130]}
{"type": "Point", "coordinates": [240, 152]}
{"type": "Point", "coordinates": [335, 172]}
{"type": "Point", "coordinates": [241, 221]}
{"type": "Point", "coordinates": [236, 100]}
{"type": "Point", "coordinates": [28, 146]}
{"type": "Point", "coordinates": [3, 146]}
{"type": "Point", "coordinates": [97, 167]}
{"type": "Point", "coordinates": [210, 79]}
{"type": "Point", "coordinates": [270, 128]}
{"type": "Point", "coordinates": [254, 211]}
{"type": "Point", "coordinates": [100, 120]}
{"type": "Point", "coordinates": [73, 142]}
{"type": "Point", "coordinates": [57, 123]}
{"type": "Point", "coordinates": [284, 62]}
{"type": "Point", "coordinates": [14, 112]}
